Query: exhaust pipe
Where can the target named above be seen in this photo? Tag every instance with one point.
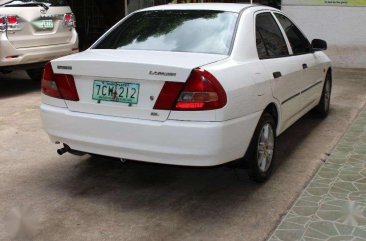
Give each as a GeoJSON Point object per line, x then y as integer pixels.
{"type": "Point", "coordinates": [61, 151]}
{"type": "Point", "coordinates": [66, 149]}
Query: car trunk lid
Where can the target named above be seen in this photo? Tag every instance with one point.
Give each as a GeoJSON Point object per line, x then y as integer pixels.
{"type": "Point", "coordinates": [142, 72]}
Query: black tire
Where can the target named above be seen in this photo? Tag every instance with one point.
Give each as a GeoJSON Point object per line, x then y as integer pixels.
{"type": "Point", "coordinates": [35, 74]}
{"type": "Point", "coordinates": [254, 156]}
{"type": "Point", "coordinates": [323, 107]}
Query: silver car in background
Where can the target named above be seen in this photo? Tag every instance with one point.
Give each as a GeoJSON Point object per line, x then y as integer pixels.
{"type": "Point", "coordinates": [34, 32]}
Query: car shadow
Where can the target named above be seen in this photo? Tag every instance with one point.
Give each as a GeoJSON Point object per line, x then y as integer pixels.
{"type": "Point", "coordinates": [17, 83]}
{"type": "Point", "coordinates": [293, 138]}
{"type": "Point", "coordinates": [195, 193]}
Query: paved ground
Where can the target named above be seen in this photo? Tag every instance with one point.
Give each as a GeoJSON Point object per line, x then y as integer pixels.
{"type": "Point", "coordinates": [333, 206]}
{"type": "Point", "coordinates": [87, 198]}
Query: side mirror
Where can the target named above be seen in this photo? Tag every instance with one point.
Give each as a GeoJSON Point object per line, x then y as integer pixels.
{"type": "Point", "coordinates": [319, 45]}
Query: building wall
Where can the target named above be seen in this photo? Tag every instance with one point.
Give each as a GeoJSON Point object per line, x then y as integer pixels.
{"type": "Point", "coordinates": [343, 27]}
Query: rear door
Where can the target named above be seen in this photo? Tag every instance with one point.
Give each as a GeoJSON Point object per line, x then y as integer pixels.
{"type": "Point", "coordinates": [301, 48]}
{"type": "Point", "coordinates": [273, 50]}
{"type": "Point", "coordinates": [37, 25]}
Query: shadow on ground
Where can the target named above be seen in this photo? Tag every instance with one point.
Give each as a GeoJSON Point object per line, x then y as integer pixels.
{"type": "Point", "coordinates": [294, 136]}
{"type": "Point", "coordinates": [17, 83]}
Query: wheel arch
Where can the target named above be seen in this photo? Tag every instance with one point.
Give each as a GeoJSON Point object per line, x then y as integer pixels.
{"type": "Point", "coordinates": [273, 109]}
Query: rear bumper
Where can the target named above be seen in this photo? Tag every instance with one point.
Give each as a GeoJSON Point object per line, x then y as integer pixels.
{"type": "Point", "coordinates": [26, 57]}
{"type": "Point", "coordinates": [169, 142]}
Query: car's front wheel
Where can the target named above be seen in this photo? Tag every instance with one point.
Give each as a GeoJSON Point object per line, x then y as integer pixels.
{"type": "Point", "coordinates": [35, 74]}
{"type": "Point", "coordinates": [262, 149]}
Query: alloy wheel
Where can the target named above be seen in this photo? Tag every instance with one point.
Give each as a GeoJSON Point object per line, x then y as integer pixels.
{"type": "Point", "coordinates": [265, 147]}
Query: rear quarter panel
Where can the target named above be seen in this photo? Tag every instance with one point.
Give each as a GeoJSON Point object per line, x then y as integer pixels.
{"type": "Point", "coordinates": [245, 85]}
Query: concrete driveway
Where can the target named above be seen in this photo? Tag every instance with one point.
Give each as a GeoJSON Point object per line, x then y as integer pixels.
{"type": "Point", "coordinates": [84, 198]}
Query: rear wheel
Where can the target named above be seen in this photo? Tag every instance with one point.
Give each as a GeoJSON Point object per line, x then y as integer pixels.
{"type": "Point", "coordinates": [261, 152]}
{"type": "Point", "coordinates": [35, 74]}
{"type": "Point", "coordinates": [323, 106]}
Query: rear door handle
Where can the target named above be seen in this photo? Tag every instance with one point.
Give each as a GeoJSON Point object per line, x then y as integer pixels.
{"type": "Point", "coordinates": [304, 66]}
{"type": "Point", "coordinates": [277, 75]}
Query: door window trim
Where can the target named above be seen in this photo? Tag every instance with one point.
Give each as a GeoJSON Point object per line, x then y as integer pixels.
{"type": "Point", "coordinates": [283, 32]}
{"type": "Point", "coordinates": [289, 49]}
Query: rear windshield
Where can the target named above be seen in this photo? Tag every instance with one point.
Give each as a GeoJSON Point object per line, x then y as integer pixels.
{"type": "Point", "coordinates": [48, 2]}
{"type": "Point", "coordinates": [197, 31]}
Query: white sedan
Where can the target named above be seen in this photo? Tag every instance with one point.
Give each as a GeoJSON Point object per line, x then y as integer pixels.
{"type": "Point", "coordinates": [188, 84]}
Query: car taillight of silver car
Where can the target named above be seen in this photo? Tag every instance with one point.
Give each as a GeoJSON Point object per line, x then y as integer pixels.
{"type": "Point", "coordinates": [14, 23]}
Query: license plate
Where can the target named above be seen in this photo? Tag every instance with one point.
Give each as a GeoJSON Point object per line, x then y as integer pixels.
{"type": "Point", "coordinates": [116, 91]}
{"type": "Point", "coordinates": [44, 24]}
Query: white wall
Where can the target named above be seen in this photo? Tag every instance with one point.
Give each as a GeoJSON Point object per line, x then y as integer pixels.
{"type": "Point", "coordinates": [344, 28]}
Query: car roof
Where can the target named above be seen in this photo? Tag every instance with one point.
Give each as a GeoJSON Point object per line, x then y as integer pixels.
{"type": "Point", "coordinates": [227, 7]}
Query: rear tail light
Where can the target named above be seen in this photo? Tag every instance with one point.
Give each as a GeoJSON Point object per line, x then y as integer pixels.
{"type": "Point", "coordinates": [168, 96]}
{"type": "Point", "coordinates": [202, 91]}
{"type": "Point", "coordinates": [9, 22]}
{"type": "Point", "coordinates": [69, 20]}
{"type": "Point", "coordinates": [2, 23]}
{"type": "Point", "coordinates": [61, 86]}
{"type": "Point", "coordinates": [12, 20]}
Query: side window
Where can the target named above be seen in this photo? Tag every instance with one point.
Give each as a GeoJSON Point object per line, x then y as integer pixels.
{"type": "Point", "coordinates": [299, 43]}
{"type": "Point", "coordinates": [270, 41]}
{"type": "Point", "coordinates": [262, 52]}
